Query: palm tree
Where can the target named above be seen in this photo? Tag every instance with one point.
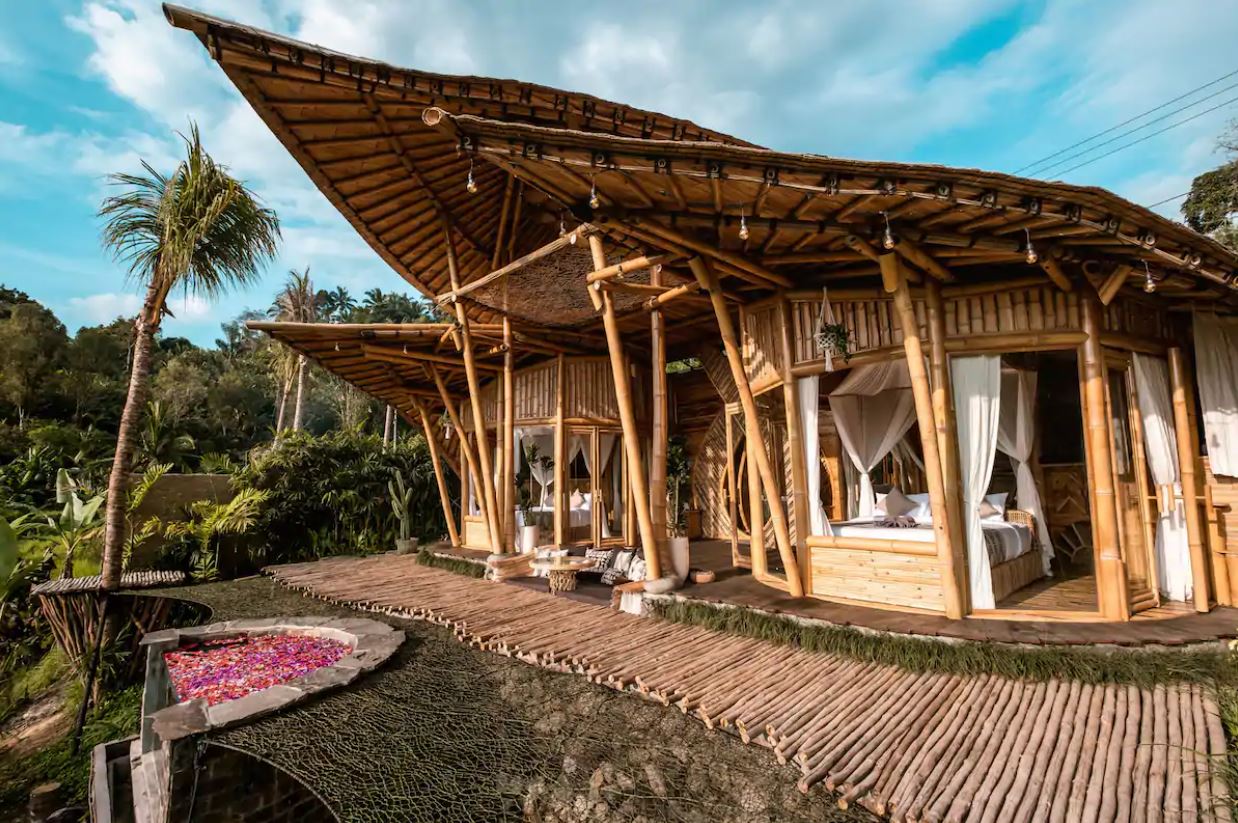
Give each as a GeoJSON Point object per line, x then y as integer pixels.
{"type": "Point", "coordinates": [337, 305]}
{"type": "Point", "coordinates": [197, 229]}
{"type": "Point", "coordinates": [297, 303]}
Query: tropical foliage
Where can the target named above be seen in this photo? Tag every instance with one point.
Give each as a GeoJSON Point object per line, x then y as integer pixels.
{"type": "Point", "coordinates": [1212, 205]}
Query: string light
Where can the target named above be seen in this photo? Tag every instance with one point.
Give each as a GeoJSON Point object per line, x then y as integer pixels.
{"type": "Point", "coordinates": [595, 202]}
{"type": "Point", "coordinates": [743, 225]}
{"type": "Point", "coordinates": [1149, 282]}
{"type": "Point", "coordinates": [888, 240]}
{"type": "Point", "coordinates": [1032, 256]}
{"type": "Point", "coordinates": [471, 185]}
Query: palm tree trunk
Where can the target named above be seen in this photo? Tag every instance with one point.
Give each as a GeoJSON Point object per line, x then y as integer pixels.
{"type": "Point", "coordinates": [283, 405]}
{"type": "Point", "coordinates": [300, 408]}
{"type": "Point", "coordinates": [388, 433]}
{"type": "Point", "coordinates": [130, 419]}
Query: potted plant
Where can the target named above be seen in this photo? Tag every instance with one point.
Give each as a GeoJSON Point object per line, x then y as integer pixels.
{"type": "Point", "coordinates": [678, 480]}
{"type": "Point", "coordinates": [401, 504]}
{"type": "Point", "coordinates": [834, 339]}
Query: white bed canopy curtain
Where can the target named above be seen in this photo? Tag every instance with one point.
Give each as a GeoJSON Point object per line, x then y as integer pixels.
{"type": "Point", "coordinates": [1216, 373]}
{"type": "Point", "coordinates": [873, 409]}
{"type": "Point", "coordinates": [807, 395]}
{"type": "Point", "coordinates": [977, 402]}
{"type": "Point", "coordinates": [1173, 550]}
{"type": "Point", "coordinates": [1016, 437]}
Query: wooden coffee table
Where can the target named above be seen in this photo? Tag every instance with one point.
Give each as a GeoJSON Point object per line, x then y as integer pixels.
{"type": "Point", "coordinates": [561, 571]}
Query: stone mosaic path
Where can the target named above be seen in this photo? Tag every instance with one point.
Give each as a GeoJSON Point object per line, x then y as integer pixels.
{"type": "Point", "coordinates": [910, 746]}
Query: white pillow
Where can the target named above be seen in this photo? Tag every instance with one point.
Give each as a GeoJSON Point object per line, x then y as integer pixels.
{"type": "Point", "coordinates": [993, 508]}
{"type": "Point", "coordinates": [897, 504]}
{"type": "Point", "coordinates": [923, 512]}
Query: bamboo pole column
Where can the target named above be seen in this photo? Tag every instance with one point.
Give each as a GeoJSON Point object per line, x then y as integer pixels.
{"type": "Point", "coordinates": [947, 429]}
{"type": "Point", "coordinates": [709, 282]}
{"type": "Point", "coordinates": [486, 481]}
{"type": "Point", "coordinates": [443, 496]}
{"type": "Point", "coordinates": [731, 486]}
{"type": "Point", "coordinates": [756, 511]}
{"type": "Point", "coordinates": [560, 476]}
{"type": "Point", "coordinates": [657, 451]}
{"type": "Point", "coordinates": [800, 504]}
{"type": "Point", "coordinates": [1111, 583]}
{"type": "Point", "coordinates": [509, 436]}
{"type": "Point", "coordinates": [1183, 400]}
{"type": "Point", "coordinates": [627, 419]}
{"type": "Point", "coordinates": [895, 281]}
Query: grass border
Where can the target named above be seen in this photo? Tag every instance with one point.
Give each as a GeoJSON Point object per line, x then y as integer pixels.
{"type": "Point", "coordinates": [1087, 665]}
{"type": "Point", "coordinates": [455, 565]}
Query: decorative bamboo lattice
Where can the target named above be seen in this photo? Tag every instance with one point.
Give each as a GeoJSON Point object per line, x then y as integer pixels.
{"type": "Point", "coordinates": [908, 745]}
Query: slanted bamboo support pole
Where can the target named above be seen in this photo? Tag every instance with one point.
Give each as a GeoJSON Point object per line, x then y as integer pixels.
{"type": "Point", "coordinates": [627, 419]}
{"type": "Point", "coordinates": [924, 260]}
{"type": "Point", "coordinates": [801, 505]}
{"type": "Point", "coordinates": [676, 293]}
{"type": "Point", "coordinates": [485, 458]}
{"type": "Point", "coordinates": [466, 448]}
{"type": "Point", "coordinates": [1183, 400]}
{"type": "Point", "coordinates": [1111, 582]}
{"type": "Point", "coordinates": [731, 487]}
{"type": "Point", "coordinates": [707, 279]}
{"type": "Point", "coordinates": [1053, 269]}
{"type": "Point", "coordinates": [503, 211]}
{"type": "Point", "coordinates": [1114, 283]}
{"type": "Point", "coordinates": [756, 511]}
{"type": "Point", "coordinates": [946, 426]}
{"type": "Point", "coordinates": [660, 433]}
{"type": "Point", "coordinates": [895, 281]}
{"type": "Point", "coordinates": [625, 267]}
{"type": "Point", "coordinates": [443, 496]}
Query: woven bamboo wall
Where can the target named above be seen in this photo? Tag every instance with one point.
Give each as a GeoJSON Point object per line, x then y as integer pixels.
{"type": "Point", "coordinates": [1223, 522]}
{"type": "Point", "coordinates": [761, 335]}
{"type": "Point", "coordinates": [590, 393]}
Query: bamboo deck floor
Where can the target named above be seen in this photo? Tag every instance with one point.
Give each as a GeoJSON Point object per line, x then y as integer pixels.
{"type": "Point", "coordinates": [910, 746]}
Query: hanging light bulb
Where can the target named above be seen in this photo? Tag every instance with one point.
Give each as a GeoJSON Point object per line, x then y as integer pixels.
{"type": "Point", "coordinates": [888, 240]}
{"type": "Point", "coordinates": [337, 346]}
{"type": "Point", "coordinates": [1032, 256]}
{"type": "Point", "coordinates": [595, 202]}
{"type": "Point", "coordinates": [743, 225]}
{"type": "Point", "coordinates": [1149, 282]}
{"type": "Point", "coordinates": [471, 185]}
{"type": "Point", "coordinates": [562, 226]}
{"type": "Point", "coordinates": [572, 238]}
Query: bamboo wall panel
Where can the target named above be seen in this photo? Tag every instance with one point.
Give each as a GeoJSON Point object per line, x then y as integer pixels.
{"type": "Point", "coordinates": [764, 358]}
{"type": "Point", "coordinates": [591, 389]}
{"type": "Point", "coordinates": [709, 480]}
{"type": "Point", "coordinates": [535, 389]}
{"type": "Point", "coordinates": [1221, 523]}
{"type": "Point", "coordinates": [1140, 319]}
{"type": "Point", "coordinates": [912, 580]}
{"type": "Point", "coordinates": [871, 323]}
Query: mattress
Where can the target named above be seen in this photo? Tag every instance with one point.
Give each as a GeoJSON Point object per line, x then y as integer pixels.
{"type": "Point", "coordinates": [1004, 541]}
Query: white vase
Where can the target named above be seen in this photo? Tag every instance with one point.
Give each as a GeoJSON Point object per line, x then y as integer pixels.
{"type": "Point", "coordinates": [679, 557]}
{"type": "Point", "coordinates": [530, 536]}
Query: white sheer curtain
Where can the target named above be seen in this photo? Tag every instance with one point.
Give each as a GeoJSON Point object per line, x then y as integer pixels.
{"type": "Point", "coordinates": [1216, 372]}
{"type": "Point", "coordinates": [977, 403]}
{"type": "Point", "coordinates": [606, 444]}
{"type": "Point", "coordinates": [544, 439]}
{"type": "Point", "coordinates": [1173, 550]}
{"type": "Point", "coordinates": [1016, 436]}
{"type": "Point", "coordinates": [807, 393]}
{"type": "Point", "coordinates": [873, 410]}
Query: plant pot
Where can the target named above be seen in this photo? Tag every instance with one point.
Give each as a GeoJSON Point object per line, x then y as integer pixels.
{"type": "Point", "coordinates": [679, 557]}
{"type": "Point", "coordinates": [405, 545]}
{"type": "Point", "coordinates": [530, 536]}
{"type": "Point", "coordinates": [662, 585]}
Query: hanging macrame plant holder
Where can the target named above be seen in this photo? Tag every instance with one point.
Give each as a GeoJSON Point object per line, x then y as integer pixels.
{"type": "Point", "coordinates": [832, 338]}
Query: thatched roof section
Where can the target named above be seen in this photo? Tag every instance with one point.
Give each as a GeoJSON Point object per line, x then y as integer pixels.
{"type": "Point", "coordinates": [355, 126]}
{"type": "Point", "coordinates": [804, 212]}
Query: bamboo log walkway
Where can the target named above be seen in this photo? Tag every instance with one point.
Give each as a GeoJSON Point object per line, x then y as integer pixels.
{"type": "Point", "coordinates": [910, 746]}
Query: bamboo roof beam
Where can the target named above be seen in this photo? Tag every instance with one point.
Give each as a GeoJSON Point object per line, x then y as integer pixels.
{"type": "Point", "coordinates": [412, 356]}
{"type": "Point", "coordinates": [550, 248]}
{"type": "Point", "coordinates": [741, 266]}
{"type": "Point", "coordinates": [924, 260]}
{"type": "Point", "coordinates": [625, 267]}
{"type": "Point", "coordinates": [685, 291]}
{"type": "Point", "coordinates": [1053, 269]}
{"type": "Point", "coordinates": [1113, 283]}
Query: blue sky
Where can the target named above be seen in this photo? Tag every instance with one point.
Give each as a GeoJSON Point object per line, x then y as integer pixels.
{"type": "Point", "coordinates": [88, 88]}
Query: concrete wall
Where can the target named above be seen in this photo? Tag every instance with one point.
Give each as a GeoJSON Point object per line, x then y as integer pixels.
{"type": "Point", "coordinates": [168, 500]}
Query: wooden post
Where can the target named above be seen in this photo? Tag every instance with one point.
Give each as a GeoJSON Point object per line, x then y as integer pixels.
{"type": "Point", "coordinates": [658, 446]}
{"type": "Point", "coordinates": [443, 496]}
{"type": "Point", "coordinates": [486, 482]}
{"type": "Point", "coordinates": [560, 482]}
{"type": "Point", "coordinates": [947, 431]}
{"type": "Point", "coordinates": [1111, 583]}
{"type": "Point", "coordinates": [801, 506]}
{"type": "Point", "coordinates": [709, 282]}
{"type": "Point", "coordinates": [895, 281]}
{"type": "Point", "coordinates": [756, 511]}
{"type": "Point", "coordinates": [627, 418]}
{"type": "Point", "coordinates": [466, 448]}
{"type": "Point", "coordinates": [1183, 400]}
{"type": "Point", "coordinates": [509, 438]}
{"type": "Point", "coordinates": [732, 486]}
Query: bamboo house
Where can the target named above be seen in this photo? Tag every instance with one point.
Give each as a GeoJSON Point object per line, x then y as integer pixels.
{"type": "Point", "coordinates": [903, 386]}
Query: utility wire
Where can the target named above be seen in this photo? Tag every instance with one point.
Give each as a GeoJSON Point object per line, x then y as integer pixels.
{"type": "Point", "coordinates": [1150, 136]}
{"type": "Point", "coordinates": [1127, 122]}
{"type": "Point", "coordinates": [1166, 200]}
{"type": "Point", "coordinates": [1046, 169]}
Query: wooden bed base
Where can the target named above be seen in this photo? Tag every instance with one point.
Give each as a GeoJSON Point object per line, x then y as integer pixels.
{"type": "Point", "coordinates": [1013, 575]}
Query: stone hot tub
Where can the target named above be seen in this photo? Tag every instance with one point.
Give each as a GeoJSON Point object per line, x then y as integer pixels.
{"type": "Point", "coordinates": [207, 678]}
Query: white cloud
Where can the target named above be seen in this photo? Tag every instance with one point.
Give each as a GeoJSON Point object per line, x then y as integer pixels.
{"type": "Point", "coordinates": [96, 309]}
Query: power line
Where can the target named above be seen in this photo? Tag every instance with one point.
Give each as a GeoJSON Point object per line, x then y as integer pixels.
{"type": "Point", "coordinates": [1166, 200]}
{"type": "Point", "coordinates": [1150, 136]}
{"type": "Point", "coordinates": [1127, 122]}
{"type": "Point", "coordinates": [1046, 169]}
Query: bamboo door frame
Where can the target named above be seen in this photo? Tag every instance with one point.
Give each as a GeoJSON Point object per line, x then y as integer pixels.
{"type": "Point", "coordinates": [595, 522]}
